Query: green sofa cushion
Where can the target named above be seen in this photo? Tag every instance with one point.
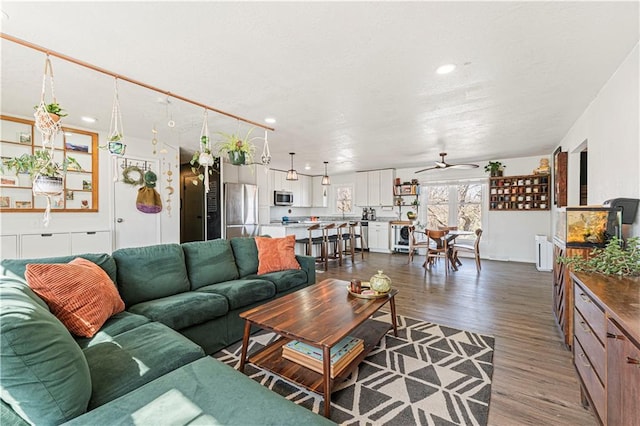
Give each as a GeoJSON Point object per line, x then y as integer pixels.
{"type": "Point", "coordinates": [134, 358]}
{"type": "Point", "coordinates": [205, 391]}
{"type": "Point", "coordinates": [245, 252]}
{"type": "Point", "coordinates": [117, 324]}
{"type": "Point", "coordinates": [149, 273]}
{"type": "Point", "coordinates": [284, 280]}
{"type": "Point", "coordinates": [241, 293]}
{"type": "Point", "coordinates": [209, 262]}
{"type": "Point", "coordinates": [183, 310]}
{"type": "Point", "coordinates": [17, 267]}
{"type": "Point", "coordinates": [44, 375]}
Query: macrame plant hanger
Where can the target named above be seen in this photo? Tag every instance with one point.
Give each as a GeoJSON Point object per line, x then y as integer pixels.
{"type": "Point", "coordinates": [266, 154]}
{"type": "Point", "coordinates": [49, 125]}
{"type": "Point", "coordinates": [206, 158]}
{"type": "Point", "coordinates": [116, 132]}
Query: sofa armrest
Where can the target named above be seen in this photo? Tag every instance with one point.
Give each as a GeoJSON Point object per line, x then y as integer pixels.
{"type": "Point", "coordinates": [308, 264]}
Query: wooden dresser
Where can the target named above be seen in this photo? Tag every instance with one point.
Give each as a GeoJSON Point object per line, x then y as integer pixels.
{"type": "Point", "coordinates": [606, 345]}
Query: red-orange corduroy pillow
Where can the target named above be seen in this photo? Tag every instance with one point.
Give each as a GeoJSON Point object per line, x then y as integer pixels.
{"type": "Point", "coordinates": [276, 254]}
{"type": "Point", "coordinates": [79, 293]}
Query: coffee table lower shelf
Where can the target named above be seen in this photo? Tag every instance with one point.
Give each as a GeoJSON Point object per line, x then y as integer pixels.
{"type": "Point", "coordinates": [270, 358]}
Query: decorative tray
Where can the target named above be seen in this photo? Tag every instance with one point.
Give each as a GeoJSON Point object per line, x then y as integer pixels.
{"type": "Point", "coordinates": [365, 287]}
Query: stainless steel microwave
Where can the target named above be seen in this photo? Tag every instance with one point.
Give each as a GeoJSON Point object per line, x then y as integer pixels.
{"type": "Point", "coordinates": [282, 198]}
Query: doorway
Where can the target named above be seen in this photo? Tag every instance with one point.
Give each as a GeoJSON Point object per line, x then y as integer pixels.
{"type": "Point", "coordinates": [132, 228]}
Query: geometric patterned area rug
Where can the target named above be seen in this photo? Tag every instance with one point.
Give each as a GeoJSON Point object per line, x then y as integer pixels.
{"type": "Point", "coordinates": [429, 375]}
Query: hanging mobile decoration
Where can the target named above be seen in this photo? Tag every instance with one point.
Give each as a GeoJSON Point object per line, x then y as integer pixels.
{"type": "Point", "coordinates": [154, 140]}
{"type": "Point", "coordinates": [266, 154]}
{"type": "Point", "coordinates": [115, 139]}
{"type": "Point", "coordinates": [47, 116]}
{"type": "Point", "coordinates": [169, 189]}
{"type": "Point", "coordinates": [170, 123]}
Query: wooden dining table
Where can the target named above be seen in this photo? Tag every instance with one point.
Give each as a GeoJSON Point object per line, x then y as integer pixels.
{"type": "Point", "coordinates": [450, 238]}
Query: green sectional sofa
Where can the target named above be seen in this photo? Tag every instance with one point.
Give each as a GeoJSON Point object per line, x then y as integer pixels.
{"type": "Point", "coordinates": [147, 364]}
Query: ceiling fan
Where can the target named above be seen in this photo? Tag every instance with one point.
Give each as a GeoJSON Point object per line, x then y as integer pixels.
{"type": "Point", "coordinates": [444, 165]}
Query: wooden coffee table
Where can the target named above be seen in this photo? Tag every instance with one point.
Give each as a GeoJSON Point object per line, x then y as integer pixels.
{"type": "Point", "coordinates": [320, 315]}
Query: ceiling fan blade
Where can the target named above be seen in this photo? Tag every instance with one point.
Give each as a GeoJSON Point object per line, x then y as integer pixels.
{"type": "Point", "coordinates": [464, 166]}
{"type": "Point", "coordinates": [424, 170]}
{"type": "Point", "coordinates": [441, 164]}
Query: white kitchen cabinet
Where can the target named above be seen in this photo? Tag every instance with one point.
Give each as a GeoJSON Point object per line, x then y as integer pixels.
{"type": "Point", "coordinates": [387, 177]}
{"type": "Point", "coordinates": [306, 188]}
{"type": "Point", "coordinates": [362, 189]}
{"type": "Point", "coordinates": [265, 187]}
{"type": "Point", "coordinates": [280, 182]}
{"type": "Point", "coordinates": [374, 188]}
{"type": "Point", "coordinates": [229, 173]}
{"type": "Point", "coordinates": [379, 237]}
{"type": "Point", "coordinates": [247, 174]}
{"type": "Point", "coordinates": [320, 193]}
{"type": "Point", "coordinates": [45, 245]}
{"type": "Point", "coordinates": [296, 189]}
{"type": "Point", "coordinates": [90, 242]}
{"type": "Point", "coordinates": [9, 246]}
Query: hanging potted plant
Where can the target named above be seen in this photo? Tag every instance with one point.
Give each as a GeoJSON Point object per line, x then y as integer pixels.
{"type": "Point", "coordinates": [45, 173]}
{"type": "Point", "coordinates": [240, 150]}
{"type": "Point", "coordinates": [495, 168]}
{"type": "Point", "coordinates": [54, 110]}
{"type": "Point", "coordinates": [202, 158]}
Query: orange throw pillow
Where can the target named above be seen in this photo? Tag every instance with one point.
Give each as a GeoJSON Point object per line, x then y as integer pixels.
{"type": "Point", "coordinates": [79, 293]}
{"type": "Point", "coordinates": [276, 254]}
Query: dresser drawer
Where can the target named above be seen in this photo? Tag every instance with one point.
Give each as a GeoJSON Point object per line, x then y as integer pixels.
{"type": "Point", "coordinates": [592, 384]}
{"type": "Point", "coordinates": [593, 348]}
{"type": "Point", "coordinates": [591, 312]}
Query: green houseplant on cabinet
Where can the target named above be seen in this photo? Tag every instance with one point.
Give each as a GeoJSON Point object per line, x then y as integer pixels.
{"type": "Point", "coordinates": [616, 258]}
{"type": "Point", "coordinates": [239, 149]}
{"type": "Point", "coordinates": [495, 168]}
{"type": "Point", "coordinates": [45, 173]}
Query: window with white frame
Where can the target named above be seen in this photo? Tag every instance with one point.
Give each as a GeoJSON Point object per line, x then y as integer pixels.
{"type": "Point", "coordinates": [453, 204]}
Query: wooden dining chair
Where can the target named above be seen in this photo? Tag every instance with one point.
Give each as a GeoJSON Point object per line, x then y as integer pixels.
{"type": "Point", "coordinates": [441, 249]}
{"type": "Point", "coordinates": [355, 232]}
{"type": "Point", "coordinates": [415, 243]}
{"type": "Point", "coordinates": [329, 238]}
{"type": "Point", "coordinates": [475, 249]}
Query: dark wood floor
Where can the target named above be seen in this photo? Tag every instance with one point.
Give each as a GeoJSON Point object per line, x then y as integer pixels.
{"type": "Point", "coordinates": [534, 382]}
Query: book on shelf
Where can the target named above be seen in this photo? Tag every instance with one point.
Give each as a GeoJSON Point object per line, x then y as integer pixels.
{"type": "Point", "coordinates": [311, 357]}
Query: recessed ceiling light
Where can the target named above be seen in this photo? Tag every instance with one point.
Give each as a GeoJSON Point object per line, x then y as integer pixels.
{"type": "Point", "coordinates": [307, 166]}
{"type": "Point", "coordinates": [270, 120]}
{"type": "Point", "coordinates": [446, 69]}
{"type": "Point", "coordinates": [89, 119]}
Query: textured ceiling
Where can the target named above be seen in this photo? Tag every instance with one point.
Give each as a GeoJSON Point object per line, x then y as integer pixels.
{"type": "Point", "coordinates": [352, 83]}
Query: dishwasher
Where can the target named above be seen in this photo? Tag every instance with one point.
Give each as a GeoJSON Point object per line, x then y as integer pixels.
{"type": "Point", "coordinates": [364, 229]}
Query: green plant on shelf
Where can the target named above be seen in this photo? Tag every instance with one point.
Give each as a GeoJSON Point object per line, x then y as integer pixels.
{"type": "Point", "coordinates": [41, 163]}
{"type": "Point", "coordinates": [616, 258]}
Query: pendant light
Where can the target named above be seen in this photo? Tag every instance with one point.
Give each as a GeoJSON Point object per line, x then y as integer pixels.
{"type": "Point", "coordinates": [292, 174]}
{"type": "Point", "coordinates": [325, 178]}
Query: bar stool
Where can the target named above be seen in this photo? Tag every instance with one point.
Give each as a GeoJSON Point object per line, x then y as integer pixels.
{"type": "Point", "coordinates": [328, 237]}
{"type": "Point", "coordinates": [310, 241]}
{"type": "Point", "coordinates": [355, 233]}
{"type": "Point", "coordinates": [342, 236]}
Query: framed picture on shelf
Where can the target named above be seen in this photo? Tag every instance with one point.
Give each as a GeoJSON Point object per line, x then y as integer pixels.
{"type": "Point", "coordinates": [23, 204]}
{"type": "Point", "coordinates": [5, 202]}
{"type": "Point", "coordinates": [24, 137]}
{"type": "Point", "coordinates": [86, 185]}
{"type": "Point", "coordinates": [9, 180]}
{"type": "Point", "coordinates": [75, 147]}
{"type": "Point", "coordinates": [69, 195]}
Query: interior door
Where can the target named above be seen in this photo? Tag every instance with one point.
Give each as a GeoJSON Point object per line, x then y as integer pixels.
{"type": "Point", "coordinates": [192, 218]}
{"type": "Point", "coordinates": [132, 227]}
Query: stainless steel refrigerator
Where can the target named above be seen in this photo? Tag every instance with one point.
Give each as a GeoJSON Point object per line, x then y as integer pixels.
{"type": "Point", "coordinates": [240, 210]}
